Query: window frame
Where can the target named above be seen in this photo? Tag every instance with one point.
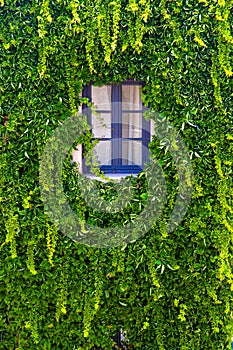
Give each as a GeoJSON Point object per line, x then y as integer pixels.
{"type": "Point", "coordinates": [116, 124]}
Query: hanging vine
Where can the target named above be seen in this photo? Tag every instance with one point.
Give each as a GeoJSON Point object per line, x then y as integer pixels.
{"type": "Point", "coordinates": [44, 18]}
{"type": "Point", "coordinates": [139, 12]}
{"type": "Point", "coordinates": [57, 293]}
{"type": "Point", "coordinates": [225, 40]}
{"type": "Point", "coordinates": [12, 229]}
{"type": "Point", "coordinates": [224, 237]}
{"type": "Point", "coordinates": [52, 237]}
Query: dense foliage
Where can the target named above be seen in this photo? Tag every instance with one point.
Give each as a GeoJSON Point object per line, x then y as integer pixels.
{"type": "Point", "coordinates": [168, 291]}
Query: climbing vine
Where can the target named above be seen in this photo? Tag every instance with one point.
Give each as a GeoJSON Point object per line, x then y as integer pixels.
{"type": "Point", "coordinates": [166, 289]}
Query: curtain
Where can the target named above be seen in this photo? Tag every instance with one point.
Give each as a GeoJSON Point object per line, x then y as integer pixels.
{"type": "Point", "coordinates": [131, 125]}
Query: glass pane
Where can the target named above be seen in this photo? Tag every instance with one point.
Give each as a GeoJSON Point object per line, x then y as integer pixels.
{"type": "Point", "coordinates": [101, 97]}
{"type": "Point", "coordinates": [131, 97]}
{"type": "Point", "coordinates": [131, 152]}
{"type": "Point", "coordinates": [103, 152]}
{"type": "Point", "coordinates": [131, 125]}
{"type": "Point", "coordinates": [101, 125]}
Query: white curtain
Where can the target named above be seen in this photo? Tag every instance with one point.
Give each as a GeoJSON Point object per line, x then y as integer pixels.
{"type": "Point", "coordinates": [131, 125]}
{"type": "Point", "coordinates": [101, 97]}
{"type": "Point", "coordinates": [101, 123]}
{"type": "Point", "coordinates": [131, 149]}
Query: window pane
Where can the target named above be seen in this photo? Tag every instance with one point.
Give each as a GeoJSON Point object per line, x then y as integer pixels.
{"type": "Point", "coordinates": [131, 97]}
{"type": "Point", "coordinates": [101, 125]}
{"type": "Point", "coordinates": [101, 97]}
{"type": "Point", "coordinates": [103, 152]}
{"type": "Point", "coordinates": [131, 125]}
{"type": "Point", "coordinates": [131, 152]}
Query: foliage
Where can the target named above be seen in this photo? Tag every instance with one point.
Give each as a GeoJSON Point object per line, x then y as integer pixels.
{"type": "Point", "coordinates": [168, 291]}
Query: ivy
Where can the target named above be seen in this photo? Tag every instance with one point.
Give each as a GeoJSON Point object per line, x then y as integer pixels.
{"type": "Point", "coordinates": [165, 289]}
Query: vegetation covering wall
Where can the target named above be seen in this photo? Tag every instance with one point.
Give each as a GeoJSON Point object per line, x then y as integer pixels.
{"type": "Point", "coordinates": [168, 291]}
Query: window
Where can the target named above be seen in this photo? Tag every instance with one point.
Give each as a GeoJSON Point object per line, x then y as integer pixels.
{"type": "Point", "coordinates": [118, 124]}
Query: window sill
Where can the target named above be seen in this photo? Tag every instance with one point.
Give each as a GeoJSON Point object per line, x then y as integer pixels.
{"type": "Point", "coordinates": [115, 177]}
